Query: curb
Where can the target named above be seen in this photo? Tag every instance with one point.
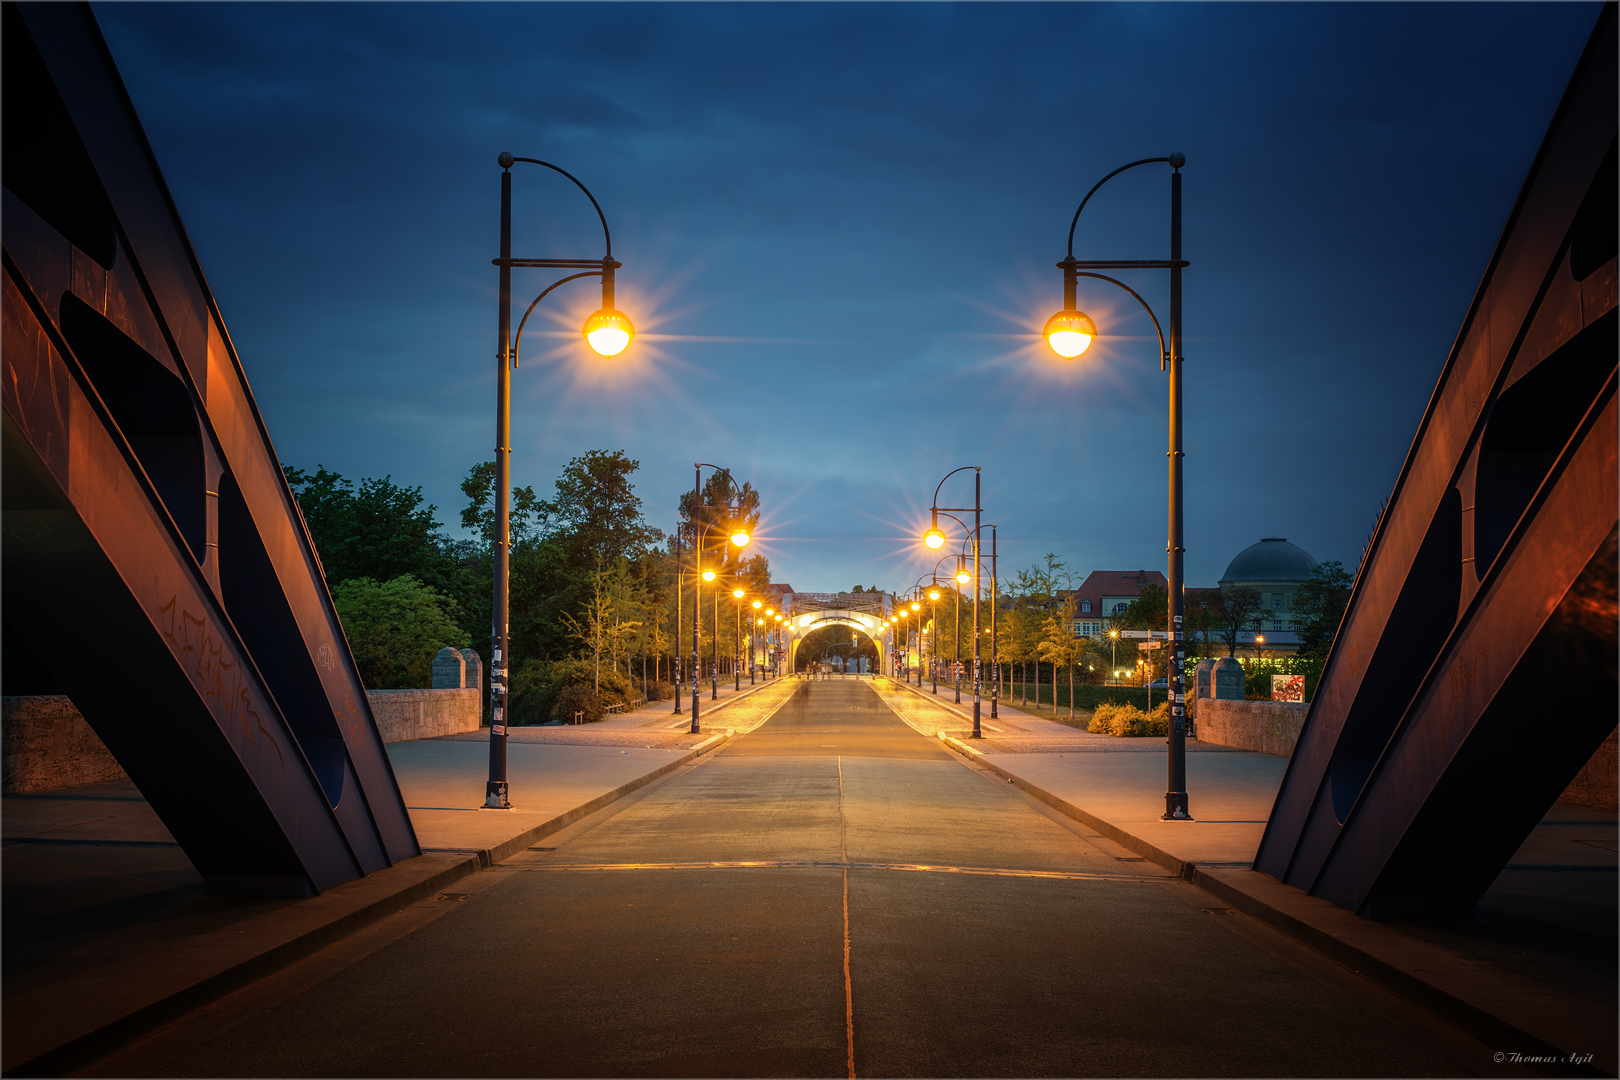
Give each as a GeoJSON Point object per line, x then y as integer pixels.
{"type": "Point", "coordinates": [86, 1048]}
{"type": "Point", "coordinates": [1447, 1005]}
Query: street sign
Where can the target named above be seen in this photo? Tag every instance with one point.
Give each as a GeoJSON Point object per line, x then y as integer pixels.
{"type": "Point", "coordinates": [1153, 645]}
{"type": "Point", "coordinates": [1160, 635]}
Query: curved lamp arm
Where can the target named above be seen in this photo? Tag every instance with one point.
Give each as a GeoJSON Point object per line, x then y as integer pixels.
{"type": "Point", "coordinates": [506, 161]}
{"type": "Point", "coordinates": [517, 339]}
{"type": "Point", "coordinates": [948, 475]}
{"type": "Point", "coordinates": [1145, 161]}
{"type": "Point", "coordinates": [1163, 356]}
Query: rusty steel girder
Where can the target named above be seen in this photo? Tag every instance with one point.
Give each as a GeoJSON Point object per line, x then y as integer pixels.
{"type": "Point", "coordinates": [1474, 672]}
{"type": "Point", "coordinates": [155, 561]}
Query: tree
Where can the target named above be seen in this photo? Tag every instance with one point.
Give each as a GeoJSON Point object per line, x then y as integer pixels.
{"type": "Point", "coordinates": [595, 513]}
{"type": "Point", "coordinates": [1149, 611]}
{"type": "Point", "coordinates": [1319, 608]}
{"type": "Point", "coordinates": [723, 509]}
{"type": "Point", "coordinates": [380, 531]}
{"type": "Point", "coordinates": [1231, 609]}
{"type": "Point", "coordinates": [607, 623]}
{"type": "Point", "coordinates": [394, 629]}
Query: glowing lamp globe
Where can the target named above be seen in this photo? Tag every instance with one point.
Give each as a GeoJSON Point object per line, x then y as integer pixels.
{"type": "Point", "coordinates": [708, 575]}
{"type": "Point", "coordinates": [1069, 333]}
{"type": "Point", "coordinates": [933, 594]}
{"type": "Point", "coordinates": [934, 538]}
{"type": "Point", "coordinates": [609, 332]}
{"type": "Point", "coordinates": [963, 577]}
{"type": "Point", "coordinates": [756, 605]}
{"type": "Point", "coordinates": [738, 593]}
{"type": "Point", "coordinates": [915, 606]}
{"type": "Point", "coordinates": [740, 537]}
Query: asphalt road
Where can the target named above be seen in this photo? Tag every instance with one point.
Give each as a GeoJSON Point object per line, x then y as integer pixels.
{"type": "Point", "coordinates": [831, 894]}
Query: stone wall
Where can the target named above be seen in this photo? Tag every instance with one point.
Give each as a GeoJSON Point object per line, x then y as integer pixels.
{"type": "Point", "coordinates": [1271, 727]}
{"type": "Point", "coordinates": [47, 744]}
{"type": "Point", "coordinates": [403, 715]}
{"type": "Point", "coordinates": [1595, 785]}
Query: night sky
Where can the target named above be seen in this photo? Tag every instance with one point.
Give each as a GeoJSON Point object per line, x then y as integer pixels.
{"type": "Point", "coordinates": [838, 225]}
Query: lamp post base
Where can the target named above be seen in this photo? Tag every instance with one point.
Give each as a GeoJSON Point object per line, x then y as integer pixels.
{"type": "Point", "coordinates": [1175, 807]}
{"type": "Point", "coordinates": [495, 796]}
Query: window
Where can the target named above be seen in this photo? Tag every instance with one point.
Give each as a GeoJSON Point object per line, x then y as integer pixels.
{"type": "Point", "coordinates": [1120, 608]}
{"type": "Point", "coordinates": [1276, 603]}
{"type": "Point", "coordinates": [1085, 607]}
{"type": "Point", "coordinates": [1276, 624]}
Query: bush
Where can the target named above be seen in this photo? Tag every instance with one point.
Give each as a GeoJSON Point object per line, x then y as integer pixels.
{"type": "Point", "coordinates": [658, 691]}
{"type": "Point", "coordinates": [1129, 721]}
{"type": "Point", "coordinates": [394, 628]}
{"type": "Point", "coordinates": [578, 698]}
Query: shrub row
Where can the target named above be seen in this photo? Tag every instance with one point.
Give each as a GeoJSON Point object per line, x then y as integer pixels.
{"type": "Point", "coordinates": [1128, 720]}
{"type": "Point", "coordinates": [545, 690]}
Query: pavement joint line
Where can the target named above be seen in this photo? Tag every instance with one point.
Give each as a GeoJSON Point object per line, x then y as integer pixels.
{"type": "Point", "coordinates": [1450, 1004]}
{"type": "Point", "coordinates": [98, 1042]}
{"type": "Point", "coordinates": [769, 864]}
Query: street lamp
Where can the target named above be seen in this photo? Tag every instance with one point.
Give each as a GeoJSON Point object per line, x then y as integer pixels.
{"type": "Point", "coordinates": [935, 510]}
{"type": "Point", "coordinates": [608, 332]}
{"type": "Point", "coordinates": [933, 602]}
{"type": "Point", "coordinates": [739, 537]}
{"type": "Point", "coordinates": [1069, 333]}
{"type": "Point", "coordinates": [737, 629]}
{"type": "Point", "coordinates": [753, 644]}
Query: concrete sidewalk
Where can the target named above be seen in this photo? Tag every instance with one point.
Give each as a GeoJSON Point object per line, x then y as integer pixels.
{"type": "Point", "coordinates": [109, 935]}
{"type": "Point", "coordinates": [1534, 973]}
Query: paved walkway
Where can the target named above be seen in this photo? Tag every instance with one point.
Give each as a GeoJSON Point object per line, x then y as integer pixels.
{"type": "Point", "coordinates": [108, 933]}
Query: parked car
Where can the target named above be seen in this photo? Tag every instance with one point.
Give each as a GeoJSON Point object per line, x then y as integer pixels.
{"type": "Point", "coordinates": [1160, 684]}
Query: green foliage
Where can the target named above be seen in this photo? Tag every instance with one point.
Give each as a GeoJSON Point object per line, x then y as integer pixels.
{"type": "Point", "coordinates": [380, 531]}
{"type": "Point", "coordinates": [1319, 608]}
{"type": "Point", "coordinates": [1149, 611]}
{"type": "Point", "coordinates": [1129, 721]}
{"type": "Point", "coordinates": [595, 514]}
{"type": "Point", "coordinates": [711, 522]}
{"type": "Point", "coordinates": [1233, 608]}
{"type": "Point", "coordinates": [394, 628]}
{"type": "Point", "coordinates": [578, 698]}
{"type": "Point", "coordinates": [1257, 674]}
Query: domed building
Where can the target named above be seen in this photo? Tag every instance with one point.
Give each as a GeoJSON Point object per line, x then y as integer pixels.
{"type": "Point", "coordinates": [1275, 569]}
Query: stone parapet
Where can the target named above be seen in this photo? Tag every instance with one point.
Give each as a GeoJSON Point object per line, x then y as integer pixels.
{"type": "Point", "coordinates": [1595, 785]}
{"type": "Point", "coordinates": [403, 715]}
{"type": "Point", "coordinates": [49, 745]}
{"type": "Point", "coordinates": [1271, 727]}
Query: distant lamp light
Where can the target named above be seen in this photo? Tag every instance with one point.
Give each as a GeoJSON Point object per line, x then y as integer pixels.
{"type": "Point", "coordinates": [916, 605]}
{"type": "Point", "coordinates": [962, 575]}
{"type": "Point", "coordinates": [757, 605]}
{"type": "Point", "coordinates": [708, 575]}
{"type": "Point", "coordinates": [1069, 333]}
{"type": "Point", "coordinates": [738, 593]}
{"type": "Point", "coordinates": [933, 594]}
{"type": "Point", "coordinates": [608, 331]}
{"type": "Point", "coordinates": [740, 537]}
{"type": "Point", "coordinates": [934, 538]}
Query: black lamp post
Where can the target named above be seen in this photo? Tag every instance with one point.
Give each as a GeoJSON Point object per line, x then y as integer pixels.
{"type": "Point", "coordinates": [736, 638]}
{"type": "Point", "coordinates": [934, 538]}
{"type": "Point", "coordinates": [753, 641]}
{"type": "Point", "coordinates": [995, 604]}
{"type": "Point", "coordinates": [739, 537]}
{"type": "Point", "coordinates": [608, 332]}
{"type": "Point", "coordinates": [677, 672]}
{"type": "Point", "coordinates": [1069, 333]}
